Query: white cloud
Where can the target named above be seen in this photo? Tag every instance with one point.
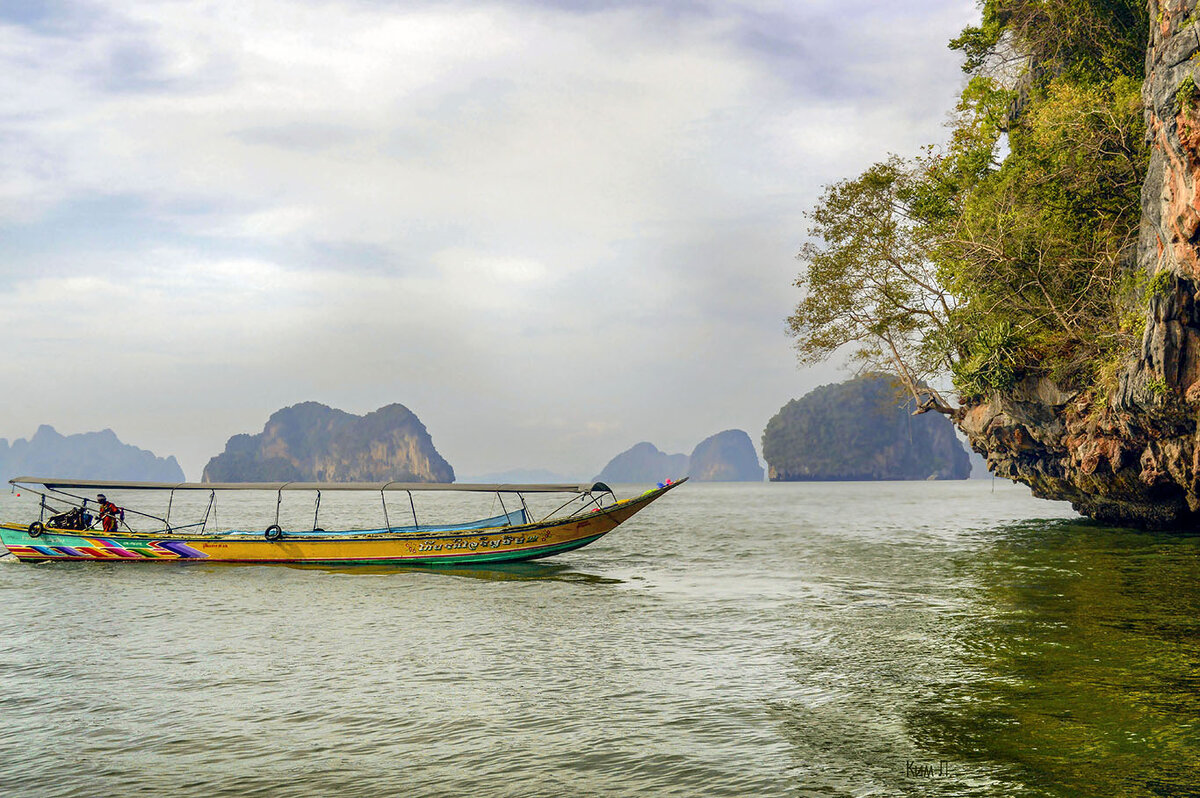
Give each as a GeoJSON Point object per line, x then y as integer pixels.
{"type": "Point", "coordinates": [504, 215]}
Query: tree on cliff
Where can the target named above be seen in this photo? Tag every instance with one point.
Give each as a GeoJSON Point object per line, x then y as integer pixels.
{"type": "Point", "coordinates": [871, 281]}
{"type": "Point", "coordinates": [1008, 251]}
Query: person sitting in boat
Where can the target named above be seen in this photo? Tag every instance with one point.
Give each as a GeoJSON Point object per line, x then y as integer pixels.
{"type": "Point", "coordinates": [109, 514]}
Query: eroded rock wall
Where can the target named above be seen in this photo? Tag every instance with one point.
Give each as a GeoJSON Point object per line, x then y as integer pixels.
{"type": "Point", "coordinates": [1130, 457]}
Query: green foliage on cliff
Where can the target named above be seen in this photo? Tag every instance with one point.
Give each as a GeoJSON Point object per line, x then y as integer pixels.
{"type": "Point", "coordinates": [1084, 39]}
{"type": "Point", "coordinates": [862, 429]}
{"type": "Point", "coordinates": [1186, 94]}
{"type": "Point", "coordinates": [1008, 251]}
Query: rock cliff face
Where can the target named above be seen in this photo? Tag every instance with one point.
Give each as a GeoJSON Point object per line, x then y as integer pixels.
{"type": "Point", "coordinates": [312, 442]}
{"type": "Point", "coordinates": [860, 430]}
{"type": "Point", "coordinates": [87, 455]}
{"type": "Point", "coordinates": [728, 456]}
{"type": "Point", "coordinates": [643, 462]}
{"type": "Point", "coordinates": [1132, 457]}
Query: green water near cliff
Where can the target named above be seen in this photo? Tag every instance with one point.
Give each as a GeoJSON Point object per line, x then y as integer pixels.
{"type": "Point", "coordinates": [845, 639]}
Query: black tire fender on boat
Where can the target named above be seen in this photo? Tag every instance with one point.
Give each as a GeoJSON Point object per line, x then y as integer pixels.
{"type": "Point", "coordinates": [36, 528]}
{"type": "Point", "coordinates": [273, 532]}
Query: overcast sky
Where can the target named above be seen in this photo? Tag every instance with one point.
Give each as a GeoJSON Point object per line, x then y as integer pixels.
{"type": "Point", "coordinates": [550, 229]}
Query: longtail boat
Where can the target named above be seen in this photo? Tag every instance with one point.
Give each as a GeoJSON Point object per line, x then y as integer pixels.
{"type": "Point", "coordinates": [65, 530]}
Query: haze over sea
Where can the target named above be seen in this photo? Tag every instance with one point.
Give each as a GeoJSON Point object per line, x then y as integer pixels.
{"type": "Point", "coordinates": [832, 639]}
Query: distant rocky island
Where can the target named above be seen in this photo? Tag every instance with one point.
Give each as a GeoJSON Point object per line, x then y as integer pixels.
{"type": "Point", "coordinates": [311, 442]}
{"type": "Point", "coordinates": [643, 462]}
{"type": "Point", "coordinates": [862, 429]}
{"type": "Point", "coordinates": [728, 456]}
{"type": "Point", "coordinates": [86, 455]}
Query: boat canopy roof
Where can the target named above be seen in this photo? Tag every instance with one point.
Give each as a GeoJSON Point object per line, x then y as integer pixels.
{"type": "Point", "coordinates": [104, 484]}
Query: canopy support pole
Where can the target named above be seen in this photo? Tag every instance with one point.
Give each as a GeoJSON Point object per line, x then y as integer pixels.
{"type": "Point", "coordinates": [413, 505]}
{"type": "Point", "coordinates": [279, 501]}
{"type": "Point", "coordinates": [383, 499]}
{"type": "Point", "coordinates": [561, 506]}
{"type": "Point", "coordinates": [592, 499]}
{"type": "Point", "coordinates": [316, 511]}
{"type": "Point", "coordinates": [212, 497]}
{"type": "Point", "coordinates": [503, 509]}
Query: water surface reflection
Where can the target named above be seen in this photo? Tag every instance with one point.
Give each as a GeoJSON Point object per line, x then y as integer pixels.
{"type": "Point", "coordinates": [1082, 649]}
{"type": "Point", "coordinates": [496, 572]}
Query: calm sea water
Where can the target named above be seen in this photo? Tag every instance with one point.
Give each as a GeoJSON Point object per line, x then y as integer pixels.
{"type": "Point", "coordinates": [846, 639]}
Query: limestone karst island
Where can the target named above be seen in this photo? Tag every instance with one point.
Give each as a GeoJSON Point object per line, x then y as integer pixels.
{"type": "Point", "coordinates": [311, 442]}
{"type": "Point", "coordinates": [862, 429]}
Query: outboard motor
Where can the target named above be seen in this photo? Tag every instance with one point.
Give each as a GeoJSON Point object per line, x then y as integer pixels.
{"type": "Point", "coordinates": [77, 519]}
